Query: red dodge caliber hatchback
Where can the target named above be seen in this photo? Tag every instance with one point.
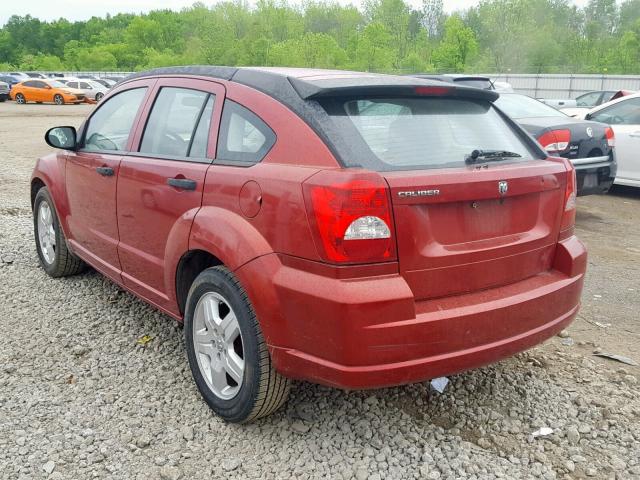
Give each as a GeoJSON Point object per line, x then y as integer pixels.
{"type": "Point", "coordinates": [349, 229]}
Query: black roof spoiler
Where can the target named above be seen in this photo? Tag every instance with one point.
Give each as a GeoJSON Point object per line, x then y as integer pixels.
{"type": "Point", "coordinates": [384, 85]}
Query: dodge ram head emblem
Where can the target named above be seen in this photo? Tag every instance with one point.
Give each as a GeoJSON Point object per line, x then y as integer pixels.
{"type": "Point", "coordinates": [503, 187]}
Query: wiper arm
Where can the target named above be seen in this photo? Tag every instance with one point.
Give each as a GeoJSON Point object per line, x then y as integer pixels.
{"type": "Point", "coordinates": [490, 155]}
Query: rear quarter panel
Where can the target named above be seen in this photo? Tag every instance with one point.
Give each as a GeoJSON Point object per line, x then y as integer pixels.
{"type": "Point", "coordinates": [280, 224]}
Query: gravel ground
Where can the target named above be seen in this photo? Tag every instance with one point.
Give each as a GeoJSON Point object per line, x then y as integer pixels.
{"type": "Point", "coordinates": [80, 398]}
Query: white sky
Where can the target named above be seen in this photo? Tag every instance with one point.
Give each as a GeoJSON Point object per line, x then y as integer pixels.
{"type": "Point", "coordinates": [85, 9]}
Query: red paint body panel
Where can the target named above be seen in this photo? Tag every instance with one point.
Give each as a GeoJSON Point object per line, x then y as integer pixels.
{"type": "Point", "coordinates": [479, 275]}
{"type": "Point", "coordinates": [93, 223]}
{"type": "Point", "coordinates": [154, 220]}
{"type": "Point", "coordinates": [369, 332]}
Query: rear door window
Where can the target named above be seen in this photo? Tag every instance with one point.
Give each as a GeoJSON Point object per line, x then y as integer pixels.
{"type": "Point", "coordinates": [244, 137]}
{"type": "Point", "coordinates": [109, 127]}
{"type": "Point", "coordinates": [173, 123]}
{"type": "Point", "coordinates": [419, 133]}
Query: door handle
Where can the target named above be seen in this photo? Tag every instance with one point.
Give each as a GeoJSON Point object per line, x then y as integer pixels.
{"type": "Point", "coordinates": [182, 183]}
{"type": "Point", "coordinates": [105, 171]}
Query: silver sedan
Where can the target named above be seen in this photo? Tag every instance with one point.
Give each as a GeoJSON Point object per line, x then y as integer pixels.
{"type": "Point", "coordinates": [92, 89]}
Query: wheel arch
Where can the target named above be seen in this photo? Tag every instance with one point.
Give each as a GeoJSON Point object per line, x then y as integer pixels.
{"type": "Point", "coordinates": [49, 172]}
{"type": "Point", "coordinates": [190, 265]}
{"type": "Point", "coordinates": [218, 237]}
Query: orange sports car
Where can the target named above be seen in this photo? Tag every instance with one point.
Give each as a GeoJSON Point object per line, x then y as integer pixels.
{"type": "Point", "coordinates": [45, 90]}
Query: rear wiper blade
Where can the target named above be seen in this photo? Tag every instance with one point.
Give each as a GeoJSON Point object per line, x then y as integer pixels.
{"type": "Point", "coordinates": [490, 155]}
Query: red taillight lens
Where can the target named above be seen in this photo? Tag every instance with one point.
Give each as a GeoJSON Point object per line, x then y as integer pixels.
{"type": "Point", "coordinates": [555, 141]}
{"type": "Point", "coordinates": [570, 197]}
{"type": "Point", "coordinates": [611, 136]}
{"type": "Point", "coordinates": [351, 216]}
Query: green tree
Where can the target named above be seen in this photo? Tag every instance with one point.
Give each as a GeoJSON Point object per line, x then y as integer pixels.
{"type": "Point", "coordinates": [457, 48]}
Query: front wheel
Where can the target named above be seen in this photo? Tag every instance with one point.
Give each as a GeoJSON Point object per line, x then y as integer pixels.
{"type": "Point", "coordinates": [99, 96]}
{"type": "Point", "coordinates": [58, 99]}
{"type": "Point", "coordinates": [55, 257]}
{"type": "Point", "coordinates": [20, 100]}
{"type": "Point", "coordinates": [227, 353]}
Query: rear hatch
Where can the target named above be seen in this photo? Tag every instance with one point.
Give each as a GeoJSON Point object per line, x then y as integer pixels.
{"type": "Point", "coordinates": [470, 236]}
{"type": "Point", "coordinates": [462, 224]}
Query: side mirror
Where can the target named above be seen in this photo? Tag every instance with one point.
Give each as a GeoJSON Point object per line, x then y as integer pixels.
{"type": "Point", "coordinates": [588, 116]}
{"type": "Point", "coordinates": [61, 137]}
{"type": "Point", "coordinates": [48, 87]}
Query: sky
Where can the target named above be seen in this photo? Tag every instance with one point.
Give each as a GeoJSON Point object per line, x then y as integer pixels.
{"type": "Point", "coordinates": [85, 9]}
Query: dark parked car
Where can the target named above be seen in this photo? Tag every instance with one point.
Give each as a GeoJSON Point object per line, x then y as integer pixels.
{"type": "Point", "coordinates": [588, 145]}
{"type": "Point", "coordinates": [9, 80]}
{"type": "Point", "coordinates": [4, 91]}
{"type": "Point", "coordinates": [355, 230]}
{"type": "Point", "coordinates": [36, 75]}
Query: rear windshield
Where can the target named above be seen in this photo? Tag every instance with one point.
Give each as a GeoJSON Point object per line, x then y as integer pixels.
{"type": "Point", "coordinates": [521, 106]}
{"type": "Point", "coordinates": [387, 134]}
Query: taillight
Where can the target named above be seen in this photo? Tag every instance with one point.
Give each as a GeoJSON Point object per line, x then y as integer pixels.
{"type": "Point", "coordinates": [611, 137]}
{"type": "Point", "coordinates": [351, 216]}
{"type": "Point", "coordinates": [555, 141]}
{"type": "Point", "coordinates": [570, 194]}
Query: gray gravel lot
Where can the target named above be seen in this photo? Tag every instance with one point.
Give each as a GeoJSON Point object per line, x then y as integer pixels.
{"type": "Point", "coordinates": [80, 398]}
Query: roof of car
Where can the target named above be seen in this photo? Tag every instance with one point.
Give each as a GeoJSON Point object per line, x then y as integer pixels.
{"type": "Point", "coordinates": [309, 83]}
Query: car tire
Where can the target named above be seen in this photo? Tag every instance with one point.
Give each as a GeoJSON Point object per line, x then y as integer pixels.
{"type": "Point", "coordinates": [58, 99]}
{"type": "Point", "coordinates": [259, 389]}
{"type": "Point", "coordinates": [20, 100]}
{"type": "Point", "coordinates": [99, 96]}
{"type": "Point", "coordinates": [51, 244]}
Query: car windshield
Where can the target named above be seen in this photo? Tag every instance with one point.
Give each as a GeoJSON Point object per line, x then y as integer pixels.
{"type": "Point", "coordinates": [387, 134]}
{"type": "Point", "coordinates": [521, 106]}
{"type": "Point", "coordinates": [56, 84]}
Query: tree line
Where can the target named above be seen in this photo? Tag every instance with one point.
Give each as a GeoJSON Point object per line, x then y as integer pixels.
{"type": "Point", "coordinates": [518, 36]}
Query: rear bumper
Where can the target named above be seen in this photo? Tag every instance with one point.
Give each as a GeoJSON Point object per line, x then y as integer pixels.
{"type": "Point", "coordinates": [595, 175]}
{"type": "Point", "coordinates": [369, 333]}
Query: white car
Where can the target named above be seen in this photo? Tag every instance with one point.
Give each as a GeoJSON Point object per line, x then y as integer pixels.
{"type": "Point", "coordinates": [92, 89]}
{"type": "Point", "coordinates": [623, 114]}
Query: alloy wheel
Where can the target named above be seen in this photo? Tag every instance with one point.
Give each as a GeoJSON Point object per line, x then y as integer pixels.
{"type": "Point", "coordinates": [217, 341]}
{"type": "Point", "coordinates": [46, 233]}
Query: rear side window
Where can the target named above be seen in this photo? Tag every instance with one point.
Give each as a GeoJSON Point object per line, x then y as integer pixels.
{"type": "Point", "coordinates": [72, 84]}
{"type": "Point", "coordinates": [174, 121]}
{"type": "Point", "coordinates": [29, 83]}
{"type": "Point", "coordinates": [109, 127]}
{"type": "Point", "coordinates": [244, 137]}
{"type": "Point", "coordinates": [417, 133]}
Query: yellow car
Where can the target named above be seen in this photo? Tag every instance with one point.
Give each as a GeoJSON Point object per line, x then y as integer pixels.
{"type": "Point", "coordinates": [45, 90]}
